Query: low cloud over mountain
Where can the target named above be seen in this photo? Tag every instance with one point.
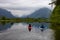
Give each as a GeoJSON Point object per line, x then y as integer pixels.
{"type": "Point", "coordinates": [41, 13]}
{"type": "Point", "coordinates": [6, 13]}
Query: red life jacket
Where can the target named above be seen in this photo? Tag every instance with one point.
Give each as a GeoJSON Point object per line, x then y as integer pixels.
{"type": "Point", "coordinates": [29, 27]}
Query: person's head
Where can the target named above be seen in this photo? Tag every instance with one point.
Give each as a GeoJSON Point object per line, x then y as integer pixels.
{"type": "Point", "coordinates": [29, 24]}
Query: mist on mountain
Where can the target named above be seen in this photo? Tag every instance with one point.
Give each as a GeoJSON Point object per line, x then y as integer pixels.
{"type": "Point", "coordinates": [6, 13]}
{"type": "Point", "coordinates": [41, 13]}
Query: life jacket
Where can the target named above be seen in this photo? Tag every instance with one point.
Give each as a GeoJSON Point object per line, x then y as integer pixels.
{"type": "Point", "coordinates": [29, 27]}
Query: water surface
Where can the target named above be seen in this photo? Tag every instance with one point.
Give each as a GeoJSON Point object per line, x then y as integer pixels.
{"type": "Point", "coordinates": [19, 31]}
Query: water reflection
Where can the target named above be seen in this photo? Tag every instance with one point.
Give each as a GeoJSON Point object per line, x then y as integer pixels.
{"type": "Point", "coordinates": [19, 31]}
{"type": "Point", "coordinates": [36, 25]}
{"type": "Point", "coordinates": [4, 26]}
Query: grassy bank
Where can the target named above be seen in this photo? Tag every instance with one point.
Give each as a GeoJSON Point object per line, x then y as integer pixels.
{"type": "Point", "coordinates": [24, 20]}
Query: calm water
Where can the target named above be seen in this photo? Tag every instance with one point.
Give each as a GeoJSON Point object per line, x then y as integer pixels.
{"type": "Point", "coordinates": [19, 31]}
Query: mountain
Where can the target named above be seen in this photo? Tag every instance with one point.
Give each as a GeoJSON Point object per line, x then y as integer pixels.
{"type": "Point", "coordinates": [4, 12]}
{"type": "Point", "coordinates": [41, 13]}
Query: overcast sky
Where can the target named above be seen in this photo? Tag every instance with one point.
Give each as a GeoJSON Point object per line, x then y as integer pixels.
{"type": "Point", "coordinates": [23, 7]}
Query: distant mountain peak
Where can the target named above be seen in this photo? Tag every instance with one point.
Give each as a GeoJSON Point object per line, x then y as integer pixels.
{"type": "Point", "coordinates": [6, 13]}
{"type": "Point", "coordinates": [40, 13]}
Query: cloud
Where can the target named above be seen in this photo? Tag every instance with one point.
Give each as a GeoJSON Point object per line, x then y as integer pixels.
{"type": "Point", "coordinates": [23, 7]}
{"type": "Point", "coordinates": [20, 13]}
{"type": "Point", "coordinates": [23, 3]}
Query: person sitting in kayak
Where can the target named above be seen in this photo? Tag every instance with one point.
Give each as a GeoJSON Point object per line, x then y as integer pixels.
{"type": "Point", "coordinates": [42, 28]}
{"type": "Point", "coordinates": [29, 27]}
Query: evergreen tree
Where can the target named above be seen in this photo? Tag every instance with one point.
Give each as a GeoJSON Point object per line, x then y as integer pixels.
{"type": "Point", "coordinates": [55, 19]}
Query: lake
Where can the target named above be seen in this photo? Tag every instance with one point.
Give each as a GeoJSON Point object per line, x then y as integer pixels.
{"type": "Point", "coordinates": [19, 31]}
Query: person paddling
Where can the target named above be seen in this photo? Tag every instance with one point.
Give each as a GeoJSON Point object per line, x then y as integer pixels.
{"type": "Point", "coordinates": [42, 28]}
{"type": "Point", "coordinates": [29, 27]}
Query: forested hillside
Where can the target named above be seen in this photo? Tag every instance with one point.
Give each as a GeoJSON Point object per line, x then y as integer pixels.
{"type": "Point", "coordinates": [55, 17]}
